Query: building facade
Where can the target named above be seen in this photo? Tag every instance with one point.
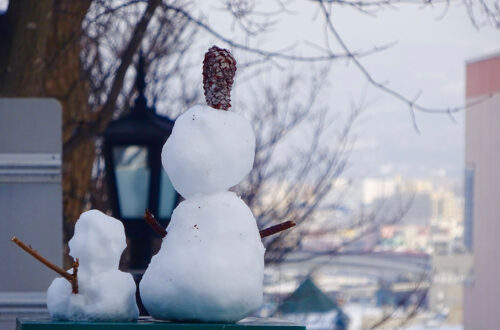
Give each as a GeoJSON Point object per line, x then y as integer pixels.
{"type": "Point", "coordinates": [482, 192]}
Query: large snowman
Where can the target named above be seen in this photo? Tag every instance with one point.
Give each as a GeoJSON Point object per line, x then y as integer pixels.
{"type": "Point", "coordinates": [211, 263]}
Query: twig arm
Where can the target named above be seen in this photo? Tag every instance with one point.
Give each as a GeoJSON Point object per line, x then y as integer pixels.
{"type": "Point", "coordinates": [155, 225]}
{"type": "Point", "coordinates": [277, 228]}
{"type": "Point", "coordinates": [72, 278]}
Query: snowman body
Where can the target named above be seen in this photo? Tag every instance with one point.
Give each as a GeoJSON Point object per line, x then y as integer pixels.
{"type": "Point", "coordinates": [211, 264]}
{"type": "Point", "coordinates": [104, 292]}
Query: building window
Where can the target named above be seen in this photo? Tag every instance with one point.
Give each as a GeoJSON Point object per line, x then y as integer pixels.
{"type": "Point", "coordinates": [469, 207]}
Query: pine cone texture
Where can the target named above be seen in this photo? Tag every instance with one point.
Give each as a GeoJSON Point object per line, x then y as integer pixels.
{"type": "Point", "coordinates": [219, 68]}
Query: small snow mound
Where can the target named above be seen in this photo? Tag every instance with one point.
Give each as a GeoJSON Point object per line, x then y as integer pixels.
{"type": "Point", "coordinates": [104, 292]}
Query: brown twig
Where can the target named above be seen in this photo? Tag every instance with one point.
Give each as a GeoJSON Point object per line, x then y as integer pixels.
{"type": "Point", "coordinates": [74, 281]}
{"type": "Point", "coordinates": [72, 278]}
{"type": "Point", "coordinates": [276, 229]}
{"type": "Point", "coordinates": [155, 225]}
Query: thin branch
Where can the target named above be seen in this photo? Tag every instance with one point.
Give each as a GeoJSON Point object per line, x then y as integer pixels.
{"type": "Point", "coordinates": [72, 278]}
{"type": "Point", "coordinates": [155, 225]}
{"type": "Point", "coordinates": [415, 309]}
{"type": "Point", "coordinates": [268, 54]}
{"type": "Point", "coordinates": [74, 282]}
{"type": "Point", "coordinates": [107, 111]}
{"type": "Point", "coordinates": [276, 229]}
{"type": "Point", "coordinates": [379, 85]}
{"type": "Point", "coordinates": [413, 312]}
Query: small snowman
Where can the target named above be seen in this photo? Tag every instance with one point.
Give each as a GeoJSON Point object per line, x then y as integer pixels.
{"type": "Point", "coordinates": [211, 264]}
{"type": "Point", "coordinates": [102, 293]}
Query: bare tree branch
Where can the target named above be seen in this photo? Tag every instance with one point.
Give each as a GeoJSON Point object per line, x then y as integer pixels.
{"type": "Point", "coordinates": [271, 54]}
{"type": "Point", "coordinates": [412, 104]}
{"type": "Point", "coordinates": [107, 110]}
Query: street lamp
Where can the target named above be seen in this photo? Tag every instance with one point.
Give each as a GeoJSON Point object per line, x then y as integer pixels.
{"type": "Point", "coordinates": [136, 180]}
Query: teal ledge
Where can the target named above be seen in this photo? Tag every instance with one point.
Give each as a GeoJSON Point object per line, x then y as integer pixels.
{"type": "Point", "coordinates": [149, 323]}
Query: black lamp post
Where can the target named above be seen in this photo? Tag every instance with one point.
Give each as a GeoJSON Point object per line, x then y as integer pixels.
{"type": "Point", "coordinates": [136, 180]}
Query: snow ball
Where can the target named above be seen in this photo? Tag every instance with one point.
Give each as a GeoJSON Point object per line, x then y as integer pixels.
{"type": "Point", "coordinates": [208, 151]}
{"type": "Point", "coordinates": [211, 264]}
{"type": "Point", "coordinates": [107, 297]}
{"type": "Point", "coordinates": [98, 242]}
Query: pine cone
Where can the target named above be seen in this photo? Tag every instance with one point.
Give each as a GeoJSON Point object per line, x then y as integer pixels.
{"type": "Point", "coordinates": [219, 67]}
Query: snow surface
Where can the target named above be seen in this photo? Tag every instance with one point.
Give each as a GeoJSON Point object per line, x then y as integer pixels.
{"type": "Point", "coordinates": [211, 263]}
{"type": "Point", "coordinates": [105, 293]}
{"type": "Point", "coordinates": [208, 151]}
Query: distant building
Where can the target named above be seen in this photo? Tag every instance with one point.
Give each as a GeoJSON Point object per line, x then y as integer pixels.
{"type": "Point", "coordinates": [482, 192]}
{"type": "Point", "coordinates": [374, 189]}
{"type": "Point", "coordinates": [411, 197]}
{"type": "Point", "coordinates": [309, 305]}
{"type": "Point", "coordinates": [432, 216]}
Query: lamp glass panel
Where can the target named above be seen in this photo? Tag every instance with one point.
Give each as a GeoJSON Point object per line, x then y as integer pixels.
{"type": "Point", "coordinates": [167, 196]}
{"type": "Point", "coordinates": [132, 179]}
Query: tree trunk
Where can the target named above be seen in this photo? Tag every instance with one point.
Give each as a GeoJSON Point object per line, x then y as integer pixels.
{"type": "Point", "coordinates": [40, 57]}
{"type": "Point", "coordinates": [24, 30]}
{"type": "Point", "coordinates": [66, 82]}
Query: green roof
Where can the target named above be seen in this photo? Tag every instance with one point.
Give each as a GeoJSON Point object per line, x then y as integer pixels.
{"type": "Point", "coordinates": [307, 298]}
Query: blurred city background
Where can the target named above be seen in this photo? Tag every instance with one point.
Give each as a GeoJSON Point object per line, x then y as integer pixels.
{"type": "Point", "coordinates": [377, 128]}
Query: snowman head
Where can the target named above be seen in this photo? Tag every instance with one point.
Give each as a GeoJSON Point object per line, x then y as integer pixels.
{"type": "Point", "coordinates": [208, 151]}
{"type": "Point", "coordinates": [98, 242]}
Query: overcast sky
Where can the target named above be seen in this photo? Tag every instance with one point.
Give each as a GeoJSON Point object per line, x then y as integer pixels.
{"type": "Point", "coordinates": [430, 57]}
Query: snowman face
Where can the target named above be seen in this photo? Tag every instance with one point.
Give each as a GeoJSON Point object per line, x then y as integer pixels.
{"type": "Point", "coordinates": [208, 151]}
{"type": "Point", "coordinates": [98, 241]}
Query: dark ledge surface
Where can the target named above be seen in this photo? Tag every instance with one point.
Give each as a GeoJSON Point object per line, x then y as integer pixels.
{"type": "Point", "coordinates": [27, 323]}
